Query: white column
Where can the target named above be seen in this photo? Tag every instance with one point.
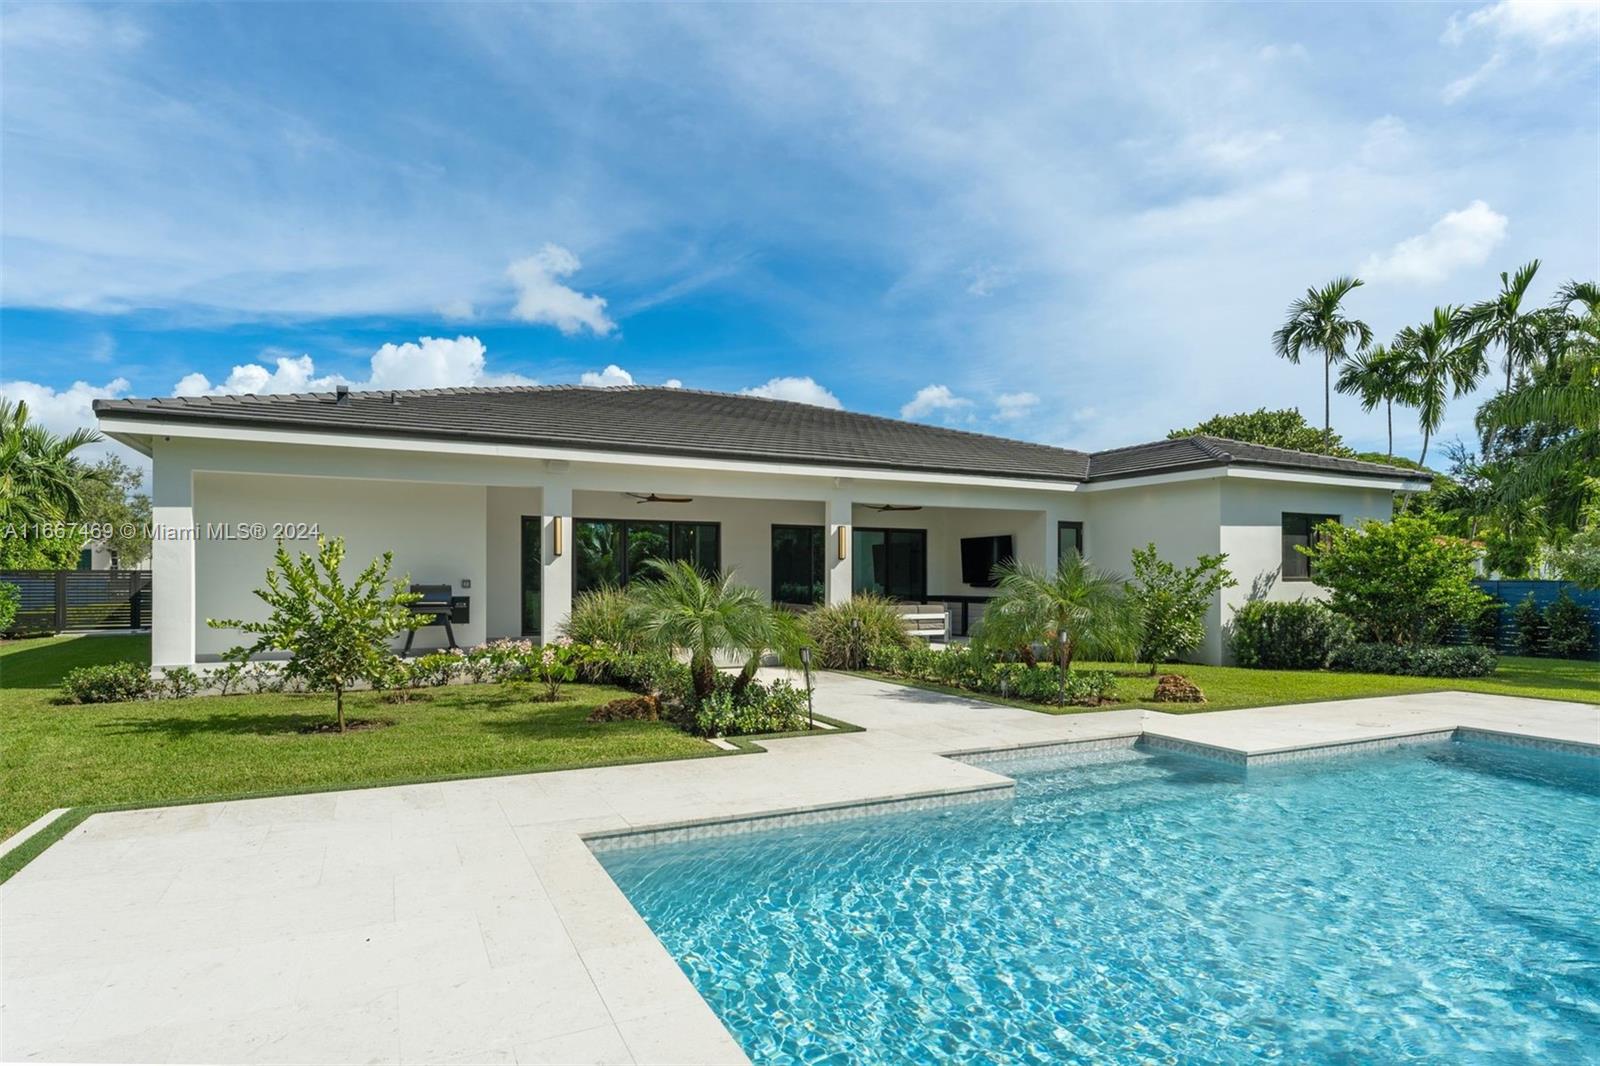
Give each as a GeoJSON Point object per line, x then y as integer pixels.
{"type": "Point", "coordinates": [839, 521]}
{"type": "Point", "coordinates": [172, 576]}
{"type": "Point", "coordinates": [1052, 541]}
{"type": "Point", "coordinates": [555, 583]}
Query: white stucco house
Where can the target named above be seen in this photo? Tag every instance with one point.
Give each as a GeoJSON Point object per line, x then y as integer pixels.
{"type": "Point", "coordinates": [518, 497]}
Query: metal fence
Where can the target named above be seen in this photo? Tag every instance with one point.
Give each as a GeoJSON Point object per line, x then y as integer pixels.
{"type": "Point", "coordinates": [1544, 593]}
{"type": "Point", "coordinates": [67, 600]}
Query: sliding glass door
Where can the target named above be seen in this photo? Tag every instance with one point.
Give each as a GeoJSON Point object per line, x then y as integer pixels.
{"type": "Point", "coordinates": [614, 551]}
{"type": "Point", "coordinates": [797, 567]}
{"type": "Point", "coordinates": [891, 562]}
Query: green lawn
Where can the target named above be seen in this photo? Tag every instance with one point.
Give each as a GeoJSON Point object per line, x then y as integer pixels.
{"type": "Point", "coordinates": [150, 753]}
{"type": "Point", "coordinates": [1229, 687]}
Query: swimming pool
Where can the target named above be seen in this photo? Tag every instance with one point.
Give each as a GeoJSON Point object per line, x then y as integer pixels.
{"type": "Point", "coordinates": [1436, 903]}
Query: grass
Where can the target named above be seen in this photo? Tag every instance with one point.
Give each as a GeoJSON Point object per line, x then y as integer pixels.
{"type": "Point", "coordinates": [150, 753]}
{"type": "Point", "coordinates": [1231, 687]}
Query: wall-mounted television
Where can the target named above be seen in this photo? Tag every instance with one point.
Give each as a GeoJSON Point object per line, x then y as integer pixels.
{"type": "Point", "coordinates": [979, 557]}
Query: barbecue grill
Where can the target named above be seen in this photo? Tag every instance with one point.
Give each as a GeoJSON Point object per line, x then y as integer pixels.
{"type": "Point", "coordinates": [437, 606]}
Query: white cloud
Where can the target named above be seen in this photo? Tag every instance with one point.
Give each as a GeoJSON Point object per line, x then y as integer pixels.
{"type": "Point", "coordinates": [672, 383]}
{"type": "Point", "coordinates": [983, 280]}
{"type": "Point", "coordinates": [796, 390]}
{"type": "Point", "coordinates": [1012, 405]}
{"type": "Point", "coordinates": [64, 410]}
{"type": "Point", "coordinates": [1460, 238]}
{"type": "Point", "coordinates": [1465, 84]}
{"type": "Point", "coordinates": [931, 398]}
{"type": "Point", "coordinates": [541, 298]}
{"type": "Point", "coordinates": [1541, 23]}
{"type": "Point", "coordinates": [457, 311]}
{"type": "Point", "coordinates": [609, 378]}
{"type": "Point", "coordinates": [428, 363]}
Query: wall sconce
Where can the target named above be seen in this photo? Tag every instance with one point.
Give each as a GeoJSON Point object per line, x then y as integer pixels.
{"type": "Point", "coordinates": [844, 542]}
{"type": "Point", "coordinates": [555, 536]}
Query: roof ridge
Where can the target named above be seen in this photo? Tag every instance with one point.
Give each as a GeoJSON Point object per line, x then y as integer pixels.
{"type": "Point", "coordinates": [1208, 444]}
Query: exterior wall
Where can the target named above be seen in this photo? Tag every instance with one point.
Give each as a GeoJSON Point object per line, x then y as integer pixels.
{"type": "Point", "coordinates": [503, 557]}
{"type": "Point", "coordinates": [1252, 532]}
{"type": "Point", "coordinates": [436, 532]}
{"type": "Point", "coordinates": [1183, 519]}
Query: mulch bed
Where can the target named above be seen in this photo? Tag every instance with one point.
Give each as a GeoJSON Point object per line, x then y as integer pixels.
{"type": "Point", "coordinates": [351, 725]}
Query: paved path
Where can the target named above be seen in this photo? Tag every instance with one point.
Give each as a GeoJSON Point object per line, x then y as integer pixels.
{"type": "Point", "coordinates": [468, 921]}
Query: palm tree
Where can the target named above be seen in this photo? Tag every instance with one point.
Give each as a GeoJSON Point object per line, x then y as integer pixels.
{"type": "Point", "coordinates": [1440, 357]}
{"type": "Point", "coordinates": [1377, 375]}
{"type": "Point", "coordinates": [1502, 321]}
{"type": "Point", "coordinates": [1316, 322]}
{"type": "Point", "coordinates": [679, 607]}
{"type": "Point", "coordinates": [1567, 397]}
{"type": "Point", "coordinates": [1077, 611]}
{"type": "Point", "coordinates": [41, 477]}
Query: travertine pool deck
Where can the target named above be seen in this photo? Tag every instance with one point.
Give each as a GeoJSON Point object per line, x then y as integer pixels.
{"type": "Point", "coordinates": [469, 921]}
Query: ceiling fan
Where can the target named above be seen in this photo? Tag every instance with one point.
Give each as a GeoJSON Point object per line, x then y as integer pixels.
{"type": "Point", "coordinates": [895, 507]}
{"type": "Point", "coordinates": [655, 497]}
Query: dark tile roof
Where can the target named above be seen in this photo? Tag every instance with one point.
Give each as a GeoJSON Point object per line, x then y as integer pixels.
{"type": "Point", "coordinates": [1200, 451]}
{"type": "Point", "coordinates": [713, 425]}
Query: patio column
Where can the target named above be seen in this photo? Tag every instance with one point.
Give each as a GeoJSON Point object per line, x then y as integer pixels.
{"type": "Point", "coordinates": [839, 522]}
{"type": "Point", "coordinates": [555, 585]}
{"type": "Point", "coordinates": [172, 608]}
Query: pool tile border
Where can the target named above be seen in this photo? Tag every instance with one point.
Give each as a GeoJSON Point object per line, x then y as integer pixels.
{"type": "Point", "coordinates": [710, 828]}
{"type": "Point", "coordinates": [1480, 735]}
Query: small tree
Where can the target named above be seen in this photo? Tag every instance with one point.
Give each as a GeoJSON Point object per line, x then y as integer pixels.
{"type": "Point", "coordinates": [338, 634]}
{"type": "Point", "coordinates": [1530, 626]}
{"type": "Point", "coordinates": [1077, 611]}
{"type": "Point", "coordinates": [680, 607]}
{"type": "Point", "coordinates": [1170, 604]}
{"type": "Point", "coordinates": [1569, 633]}
{"type": "Point", "coordinates": [1398, 582]}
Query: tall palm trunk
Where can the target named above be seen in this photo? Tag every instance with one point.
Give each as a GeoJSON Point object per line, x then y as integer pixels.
{"type": "Point", "coordinates": [1422, 460]}
{"type": "Point", "coordinates": [1388, 409]}
{"type": "Point", "coordinates": [1327, 400]}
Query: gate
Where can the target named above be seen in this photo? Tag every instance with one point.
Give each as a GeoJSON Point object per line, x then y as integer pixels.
{"type": "Point", "coordinates": [75, 600]}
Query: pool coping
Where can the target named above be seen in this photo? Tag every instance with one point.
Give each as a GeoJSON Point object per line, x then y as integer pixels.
{"type": "Point", "coordinates": [996, 758]}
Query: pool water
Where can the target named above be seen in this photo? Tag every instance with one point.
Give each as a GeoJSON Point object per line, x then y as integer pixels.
{"type": "Point", "coordinates": [1432, 904]}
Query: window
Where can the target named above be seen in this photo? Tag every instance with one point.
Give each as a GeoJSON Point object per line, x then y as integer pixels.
{"type": "Point", "coordinates": [1300, 530]}
{"type": "Point", "coordinates": [891, 562]}
{"type": "Point", "coordinates": [797, 566]}
{"type": "Point", "coordinates": [614, 551]}
{"type": "Point", "coordinates": [532, 573]}
{"type": "Point", "coordinates": [1070, 536]}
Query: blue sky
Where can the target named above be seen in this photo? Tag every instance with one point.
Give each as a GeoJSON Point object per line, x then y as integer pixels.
{"type": "Point", "coordinates": [1074, 224]}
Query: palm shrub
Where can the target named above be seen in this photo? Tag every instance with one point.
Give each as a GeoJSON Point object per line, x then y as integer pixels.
{"type": "Point", "coordinates": [682, 608]}
{"type": "Point", "coordinates": [846, 635]}
{"type": "Point", "coordinates": [1170, 604]}
{"type": "Point", "coordinates": [1076, 611]}
{"type": "Point", "coordinates": [44, 483]}
{"type": "Point", "coordinates": [337, 633]}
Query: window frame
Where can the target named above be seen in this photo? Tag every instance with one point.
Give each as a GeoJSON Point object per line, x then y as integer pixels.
{"type": "Point", "coordinates": [820, 581]}
{"type": "Point", "coordinates": [1061, 530]}
{"type": "Point", "coordinates": [624, 565]}
{"type": "Point", "coordinates": [1312, 521]}
{"type": "Point", "coordinates": [922, 585]}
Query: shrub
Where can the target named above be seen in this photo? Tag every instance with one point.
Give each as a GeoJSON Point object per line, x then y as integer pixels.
{"type": "Point", "coordinates": [1398, 582]}
{"type": "Point", "coordinates": [337, 633]}
{"type": "Point", "coordinates": [606, 615]}
{"type": "Point", "coordinates": [10, 600]}
{"type": "Point", "coordinates": [1570, 634]}
{"type": "Point", "coordinates": [778, 708]}
{"type": "Point", "coordinates": [555, 665]}
{"type": "Point", "coordinates": [1529, 621]}
{"type": "Point", "coordinates": [1292, 635]}
{"type": "Point", "coordinates": [179, 682]}
{"type": "Point", "coordinates": [108, 683]}
{"type": "Point", "coordinates": [433, 669]}
{"type": "Point", "coordinates": [844, 633]}
{"type": "Point", "coordinates": [1419, 661]}
{"type": "Point", "coordinates": [1170, 604]}
{"type": "Point", "coordinates": [975, 670]}
{"type": "Point", "coordinates": [650, 673]}
{"type": "Point", "coordinates": [1485, 630]}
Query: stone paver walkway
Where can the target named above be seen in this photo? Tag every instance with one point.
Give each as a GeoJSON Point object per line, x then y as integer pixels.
{"type": "Point", "coordinates": [469, 921]}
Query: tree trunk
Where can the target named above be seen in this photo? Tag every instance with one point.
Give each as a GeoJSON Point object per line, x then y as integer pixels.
{"type": "Point", "coordinates": [704, 672]}
{"type": "Point", "coordinates": [1388, 407]}
{"type": "Point", "coordinates": [1327, 400]}
{"type": "Point", "coordinates": [747, 675]}
{"type": "Point", "coordinates": [338, 702]}
{"type": "Point", "coordinates": [1422, 460]}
